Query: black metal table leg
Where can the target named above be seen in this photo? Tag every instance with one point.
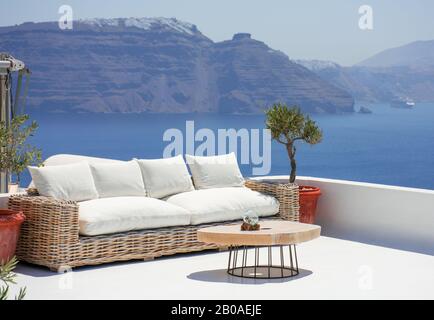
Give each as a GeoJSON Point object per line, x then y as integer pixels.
{"type": "Point", "coordinates": [262, 271]}
{"type": "Point", "coordinates": [290, 258]}
{"type": "Point", "coordinates": [295, 255]}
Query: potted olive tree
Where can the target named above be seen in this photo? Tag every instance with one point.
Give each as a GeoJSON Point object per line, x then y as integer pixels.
{"type": "Point", "coordinates": [15, 153]}
{"type": "Point", "coordinates": [287, 126]}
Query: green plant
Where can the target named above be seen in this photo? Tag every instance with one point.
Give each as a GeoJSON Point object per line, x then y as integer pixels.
{"type": "Point", "coordinates": [16, 154]}
{"type": "Point", "coordinates": [7, 276]}
{"type": "Point", "coordinates": [288, 125]}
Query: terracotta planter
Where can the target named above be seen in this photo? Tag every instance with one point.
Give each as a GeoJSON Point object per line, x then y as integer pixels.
{"type": "Point", "coordinates": [308, 201]}
{"type": "Point", "coordinates": [10, 222]}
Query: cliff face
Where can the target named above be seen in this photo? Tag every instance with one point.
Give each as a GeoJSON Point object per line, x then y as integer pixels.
{"type": "Point", "coordinates": [251, 75]}
{"type": "Point", "coordinates": [160, 65]}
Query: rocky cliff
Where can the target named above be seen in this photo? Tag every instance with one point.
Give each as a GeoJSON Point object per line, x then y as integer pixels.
{"type": "Point", "coordinates": [160, 65]}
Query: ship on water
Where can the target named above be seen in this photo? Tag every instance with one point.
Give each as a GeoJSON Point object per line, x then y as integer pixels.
{"type": "Point", "coordinates": [402, 103]}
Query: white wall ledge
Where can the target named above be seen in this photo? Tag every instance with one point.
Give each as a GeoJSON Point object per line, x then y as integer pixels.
{"type": "Point", "coordinates": [4, 197]}
{"type": "Point", "coordinates": [390, 216]}
{"type": "Point", "coordinates": [306, 179]}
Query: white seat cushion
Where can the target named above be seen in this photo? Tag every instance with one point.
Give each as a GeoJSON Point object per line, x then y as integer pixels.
{"type": "Point", "coordinates": [121, 214]}
{"type": "Point", "coordinates": [121, 179]}
{"type": "Point", "coordinates": [224, 204]}
{"type": "Point", "coordinates": [215, 172]}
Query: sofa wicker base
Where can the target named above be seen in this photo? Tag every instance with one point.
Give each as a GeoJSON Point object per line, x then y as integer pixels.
{"type": "Point", "coordinates": [50, 235]}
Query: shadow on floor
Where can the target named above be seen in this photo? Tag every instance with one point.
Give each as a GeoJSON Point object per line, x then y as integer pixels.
{"type": "Point", "coordinates": [37, 271]}
{"type": "Point", "coordinates": [34, 270]}
{"type": "Point", "coordinates": [220, 275]}
{"type": "Point", "coordinates": [43, 272]}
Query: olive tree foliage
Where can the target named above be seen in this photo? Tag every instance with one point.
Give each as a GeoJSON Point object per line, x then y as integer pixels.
{"type": "Point", "coordinates": [287, 126]}
{"type": "Point", "coordinates": [15, 151]}
{"type": "Point", "coordinates": [7, 277]}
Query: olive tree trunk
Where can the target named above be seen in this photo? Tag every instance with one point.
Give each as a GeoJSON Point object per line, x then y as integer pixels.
{"type": "Point", "coordinates": [291, 154]}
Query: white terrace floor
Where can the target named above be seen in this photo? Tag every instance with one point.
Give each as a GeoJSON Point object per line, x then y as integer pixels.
{"type": "Point", "coordinates": [331, 269]}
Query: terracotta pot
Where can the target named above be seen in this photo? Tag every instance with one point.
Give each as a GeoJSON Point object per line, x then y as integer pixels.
{"type": "Point", "coordinates": [308, 201]}
{"type": "Point", "coordinates": [10, 222]}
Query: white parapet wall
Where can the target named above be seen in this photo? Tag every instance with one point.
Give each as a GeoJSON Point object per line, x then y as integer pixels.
{"type": "Point", "coordinates": [4, 197]}
{"type": "Point", "coordinates": [390, 216]}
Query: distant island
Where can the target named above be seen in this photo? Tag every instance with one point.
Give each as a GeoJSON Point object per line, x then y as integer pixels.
{"type": "Point", "coordinates": [365, 110]}
{"type": "Point", "coordinates": [135, 65]}
{"type": "Point", "coordinates": [164, 65]}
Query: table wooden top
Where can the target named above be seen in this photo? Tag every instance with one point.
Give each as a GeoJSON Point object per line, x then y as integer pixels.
{"type": "Point", "coordinates": [272, 233]}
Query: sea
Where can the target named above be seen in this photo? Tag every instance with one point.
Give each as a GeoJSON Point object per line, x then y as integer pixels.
{"type": "Point", "coordinates": [390, 146]}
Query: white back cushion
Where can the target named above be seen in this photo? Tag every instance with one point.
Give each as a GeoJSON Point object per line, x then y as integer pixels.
{"type": "Point", "coordinates": [66, 182]}
{"type": "Point", "coordinates": [118, 179]}
{"type": "Point", "coordinates": [164, 177]}
{"type": "Point", "coordinates": [62, 159]}
{"type": "Point", "coordinates": [215, 172]}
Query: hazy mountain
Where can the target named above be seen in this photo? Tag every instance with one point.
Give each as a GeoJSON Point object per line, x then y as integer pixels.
{"type": "Point", "coordinates": [379, 83]}
{"type": "Point", "coordinates": [356, 81]}
{"type": "Point", "coordinates": [416, 54]}
{"type": "Point", "coordinates": [160, 65]}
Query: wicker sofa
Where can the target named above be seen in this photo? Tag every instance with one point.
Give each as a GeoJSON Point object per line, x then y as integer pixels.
{"type": "Point", "coordinates": [51, 235]}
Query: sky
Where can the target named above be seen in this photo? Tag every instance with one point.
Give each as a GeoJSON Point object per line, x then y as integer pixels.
{"type": "Point", "coordinates": [303, 29]}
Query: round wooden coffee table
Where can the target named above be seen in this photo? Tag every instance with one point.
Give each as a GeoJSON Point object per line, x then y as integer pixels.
{"type": "Point", "coordinates": [280, 236]}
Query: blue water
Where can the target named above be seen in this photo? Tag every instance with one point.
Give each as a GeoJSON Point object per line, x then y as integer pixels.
{"type": "Point", "coordinates": [390, 146]}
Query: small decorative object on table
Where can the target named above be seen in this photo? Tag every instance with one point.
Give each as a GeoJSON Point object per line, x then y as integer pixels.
{"type": "Point", "coordinates": [32, 192]}
{"type": "Point", "coordinates": [250, 221]}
